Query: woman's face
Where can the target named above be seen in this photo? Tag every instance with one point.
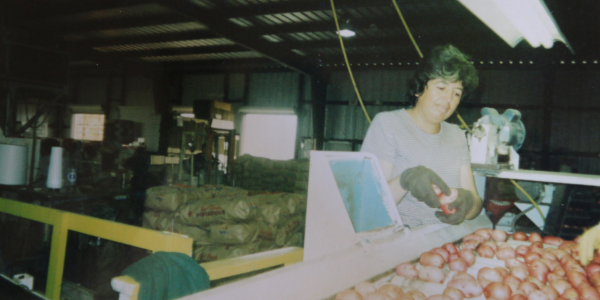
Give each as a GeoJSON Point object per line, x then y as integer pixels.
{"type": "Point", "coordinates": [439, 99]}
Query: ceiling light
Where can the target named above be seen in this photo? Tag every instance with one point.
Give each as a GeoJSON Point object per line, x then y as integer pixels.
{"type": "Point", "coordinates": [188, 115]}
{"type": "Point", "coordinates": [347, 33]}
{"type": "Point", "coordinates": [515, 20]}
{"type": "Point", "coordinates": [346, 29]}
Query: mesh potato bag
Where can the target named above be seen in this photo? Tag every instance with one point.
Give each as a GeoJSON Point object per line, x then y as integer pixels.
{"type": "Point", "coordinates": [218, 210]}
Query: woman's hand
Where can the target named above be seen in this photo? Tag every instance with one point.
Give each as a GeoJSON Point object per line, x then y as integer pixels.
{"type": "Point", "coordinates": [419, 182]}
{"type": "Point", "coordinates": [463, 204]}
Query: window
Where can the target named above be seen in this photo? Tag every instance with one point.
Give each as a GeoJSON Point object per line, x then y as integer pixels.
{"type": "Point", "coordinates": [89, 127]}
{"type": "Point", "coordinates": [270, 136]}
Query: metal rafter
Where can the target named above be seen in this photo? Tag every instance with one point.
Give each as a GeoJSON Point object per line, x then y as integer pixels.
{"type": "Point", "coordinates": [247, 37]}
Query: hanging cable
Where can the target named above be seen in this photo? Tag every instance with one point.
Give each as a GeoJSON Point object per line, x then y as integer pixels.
{"type": "Point", "coordinates": [337, 26]}
{"type": "Point", "coordinates": [530, 199]}
{"type": "Point", "coordinates": [407, 30]}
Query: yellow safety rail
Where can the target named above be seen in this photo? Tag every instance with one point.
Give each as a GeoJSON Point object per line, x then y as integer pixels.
{"type": "Point", "coordinates": [62, 222]}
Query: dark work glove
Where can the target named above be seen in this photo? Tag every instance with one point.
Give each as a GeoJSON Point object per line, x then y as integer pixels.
{"type": "Point", "coordinates": [418, 181]}
{"type": "Point", "coordinates": [464, 203]}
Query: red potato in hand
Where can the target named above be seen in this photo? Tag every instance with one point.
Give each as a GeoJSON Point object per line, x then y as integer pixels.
{"type": "Point", "coordinates": [445, 200]}
{"type": "Point", "coordinates": [407, 270]}
{"type": "Point", "coordinates": [432, 259]}
{"type": "Point", "coordinates": [432, 274]}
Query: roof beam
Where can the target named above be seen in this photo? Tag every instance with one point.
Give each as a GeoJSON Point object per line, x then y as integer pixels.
{"type": "Point", "coordinates": [180, 51]}
{"type": "Point", "coordinates": [40, 10]}
{"type": "Point", "coordinates": [299, 6]}
{"type": "Point", "coordinates": [246, 37]}
{"type": "Point", "coordinates": [146, 39]}
{"type": "Point", "coordinates": [103, 24]}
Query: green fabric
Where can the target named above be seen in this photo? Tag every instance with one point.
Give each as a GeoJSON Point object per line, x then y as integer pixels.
{"type": "Point", "coordinates": [168, 275]}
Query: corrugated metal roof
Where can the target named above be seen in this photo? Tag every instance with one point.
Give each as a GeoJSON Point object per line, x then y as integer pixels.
{"type": "Point", "coordinates": [167, 45]}
{"type": "Point", "coordinates": [294, 18]}
{"type": "Point", "coordinates": [112, 14]}
{"type": "Point", "coordinates": [241, 22]}
{"type": "Point", "coordinates": [239, 3]}
{"type": "Point", "coordinates": [136, 31]}
{"type": "Point", "coordinates": [205, 56]}
{"type": "Point", "coordinates": [273, 38]}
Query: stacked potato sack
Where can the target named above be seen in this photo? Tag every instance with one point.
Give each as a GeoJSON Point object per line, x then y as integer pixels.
{"type": "Point", "coordinates": [162, 204]}
{"type": "Point", "coordinates": [240, 225]}
{"type": "Point", "coordinates": [301, 186]}
{"type": "Point", "coordinates": [161, 211]}
{"type": "Point", "coordinates": [486, 266]}
{"type": "Point", "coordinates": [262, 174]}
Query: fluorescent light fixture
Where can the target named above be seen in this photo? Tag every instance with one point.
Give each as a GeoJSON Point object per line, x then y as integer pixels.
{"type": "Point", "coordinates": [188, 115]}
{"type": "Point", "coordinates": [347, 33]}
{"type": "Point", "coordinates": [515, 20]}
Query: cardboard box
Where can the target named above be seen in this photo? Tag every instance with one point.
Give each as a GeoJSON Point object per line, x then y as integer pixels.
{"type": "Point", "coordinates": [208, 110]}
{"type": "Point", "coordinates": [157, 160]}
{"type": "Point", "coordinates": [172, 160]}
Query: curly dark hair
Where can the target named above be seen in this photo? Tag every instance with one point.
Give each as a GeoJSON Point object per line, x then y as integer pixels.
{"type": "Point", "coordinates": [446, 62]}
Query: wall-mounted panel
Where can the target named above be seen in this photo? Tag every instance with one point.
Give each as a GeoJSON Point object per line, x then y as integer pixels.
{"type": "Point", "coordinates": [511, 87]}
{"type": "Point", "coordinates": [577, 89]}
{"type": "Point", "coordinates": [278, 90]}
{"type": "Point", "coordinates": [202, 87]}
{"type": "Point", "coordinates": [92, 91]}
{"type": "Point", "coordinates": [139, 92]}
{"type": "Point", "coordinates": [374, 86]}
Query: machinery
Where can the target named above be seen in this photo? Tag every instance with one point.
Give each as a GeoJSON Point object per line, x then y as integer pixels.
{"type": "Point", "coordinates": [343, 245]}
{"type": "Point", "coordinates": [496, 137]}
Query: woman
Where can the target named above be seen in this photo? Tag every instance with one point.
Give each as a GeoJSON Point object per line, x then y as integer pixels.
{"type": "Point", "coordinates": [417, 148]}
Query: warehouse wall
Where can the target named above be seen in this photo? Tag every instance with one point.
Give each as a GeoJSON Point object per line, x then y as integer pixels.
{"type": "Point", "coordinates": [559, 108]}
{"type": "Point", "coordinates": [135, 97]}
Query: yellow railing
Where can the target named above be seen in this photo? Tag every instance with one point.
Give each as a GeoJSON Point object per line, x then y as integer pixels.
{"type": "Point", "coordinates": [62, 222]}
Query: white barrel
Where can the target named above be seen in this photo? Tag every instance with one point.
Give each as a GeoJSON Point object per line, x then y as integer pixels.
{"type": "Point", "coordinates": [13, 164]}
{"type": "Point", "coordinates": [54, 180]}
